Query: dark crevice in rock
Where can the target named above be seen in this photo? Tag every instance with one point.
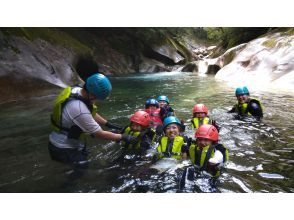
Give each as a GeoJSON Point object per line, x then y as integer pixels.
{"type": "Point", "coordinates": [85, 66]}
{"type": "Point", "coordinates": [191, 67]}
{"type": "Point", "coordinates": [212, 69]}
{"type": "Point", "coordinates": [149, 53]}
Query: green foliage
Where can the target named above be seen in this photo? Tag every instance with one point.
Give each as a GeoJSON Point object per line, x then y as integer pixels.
{"type": "Point", "coordinates": [52, 35]}
{"type": "Point", "coordinates": [158, 35]}
{"type": "Point", "coordinates": [229, 37]}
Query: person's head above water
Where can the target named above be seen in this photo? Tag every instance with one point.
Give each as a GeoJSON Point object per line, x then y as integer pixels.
{"type": "Point", "coordinates": [172, 126]}
{"type": "Point", "coordinates": [242, 94]}
{"type": "Point", "coordinates": [98, 87]}
{"type": "Point", "coordinates": [206, 135]}
{"type": "Point", "coordinates": [140, 120]}
{"type": "Point", "coordinates": [151, 104]}
{"type": "Point", "coordinates": [200, 111]}
{"type": "Point", "coordinates": [162, 100]}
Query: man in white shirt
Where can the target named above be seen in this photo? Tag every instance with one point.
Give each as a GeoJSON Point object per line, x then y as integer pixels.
{"type": "Point", "coordinates": [74, 115]}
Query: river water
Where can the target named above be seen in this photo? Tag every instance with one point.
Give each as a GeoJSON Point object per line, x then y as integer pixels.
{"type": "Point", "coordinates": [261, 154]}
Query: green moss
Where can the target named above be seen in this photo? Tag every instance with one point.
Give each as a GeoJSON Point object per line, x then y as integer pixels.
{"type": "Point", "coordinates": [181, 48]}
{"type": "Point", "coordinates": [15, 50]}
{"type": "Point", "coordinates": [290, 31]}
{"type": "Point", "coordinates": [229, 57]}
{"type": "Point", "coordinates": [52, 35]}
{"type": "Point", "coordinates": [269, 43]}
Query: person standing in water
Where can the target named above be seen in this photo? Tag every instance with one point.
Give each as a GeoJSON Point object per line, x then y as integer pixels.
{"type": "Point", "coordinates": [140, 127]}
{"type": "Point", "coordinates": [200, 117]}
{"type": "Point", "coordinates": [246, 106]}
{"type": "Point", "coordinates": [172, 144]}
{"type": "Point", "coordinates": [165, 109]}
{"type": "Point", "coordinates": [75, 116]}
{"type": "Point", "coordinates": [152, 108]}
{"type": "Point", "coordinates": [206, 152]}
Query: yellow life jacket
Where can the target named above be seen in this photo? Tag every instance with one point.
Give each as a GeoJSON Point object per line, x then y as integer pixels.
{"type": "Point", "coordinates": [175, 149]}
{"type": "Point", "coordinates": [241, 109]}
{"type": "Point", "coordinates": [59, 103]}
{"type": "Point", "coordinates": [200, 156]}
{"type": "Point", "coordinates": [128, 131]}
{"type": "Point", "coordinates": [196, 122]}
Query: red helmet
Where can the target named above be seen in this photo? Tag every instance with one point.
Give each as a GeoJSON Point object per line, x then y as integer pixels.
{"type": "Point", "coordinates": [198, 108]}
{"type": "Point", "coordinates": [142, 118]}
{"type": "Point", "coordinates": [207, 131]}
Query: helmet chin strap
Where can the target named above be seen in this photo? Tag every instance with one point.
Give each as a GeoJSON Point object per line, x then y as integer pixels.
{"type": "Point", "coordinates": [87, 94]}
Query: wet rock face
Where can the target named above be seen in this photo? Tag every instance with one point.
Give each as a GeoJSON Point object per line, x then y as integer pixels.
{"type": "Point", "coordinates": [170, 52]}
{"type": "Point", "coordinates": [39, 60]}
{"type": "Point", "coordinates": [212, 69]}
{"type": "Point", "coordinates": [26, 67]}
{"type": "Point", "coordinates": [29, 57]}
{"type": "Point", "coordinates": [266, 61]}
{"type": "Point", "coordinates": [191, 67]}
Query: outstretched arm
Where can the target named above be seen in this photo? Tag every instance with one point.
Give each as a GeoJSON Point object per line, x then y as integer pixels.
{"type": "Point", "coordinates": [100, 120]}
{"type": "Point", "coordinates": [232, 110]}
{"type": "Point", "coordinates": [108, 135]}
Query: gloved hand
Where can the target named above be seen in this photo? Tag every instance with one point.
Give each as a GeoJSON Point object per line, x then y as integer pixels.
{"type": "Point", "coordinates": [183, 126]}
{"type": "Point", "coordinates": [188, 140]}
{"type": "Point", "coordinates": [159, 130]}
{"type": "Point", "coordinates": [149, 132]}
{"type": "Point", "coordinates": [113, 126]}
{"type": "Point", "coordinates": [166, 111]}
{"type": "Point", "coordinates": [129, 139]}
{"type": "Point", "coordinates": [213, 167]}
{"type": "Point", "coordinates": [213, 122]}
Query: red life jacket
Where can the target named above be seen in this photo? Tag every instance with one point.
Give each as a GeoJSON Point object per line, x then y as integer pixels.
{"type": "Point", "coordinates": [154, 116]}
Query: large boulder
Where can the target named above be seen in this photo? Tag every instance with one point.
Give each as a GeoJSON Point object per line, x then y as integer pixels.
{"type": "Point", "coordinates": [38, 59]}
{"type": "Point", "coordinates": [168, 51]}
{"type": "Point", "coordinates": [27, 67]}
{"type": "Point", "coordinates": [191, 67]}
{"type": "Point", "coordinates": [264, 62]}
{"type": "Point", "coordinates": [151, 66]}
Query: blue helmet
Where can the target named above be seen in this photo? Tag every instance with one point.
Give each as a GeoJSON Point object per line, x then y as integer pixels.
{"type": "Point", "coordinates": [151, 102]}
{"type": "Point", "coordinates": [163, 98]}
{"type": "Point", "coordinates": [170, 120]}
{"type": "Point", "coordinates": [241, 91]}
{"type": "Point", "coordinates": [99, 85]}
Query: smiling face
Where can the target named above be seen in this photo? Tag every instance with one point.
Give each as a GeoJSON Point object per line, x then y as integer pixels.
{"type": "Point", "coordinates": [203, 142]}
{"type": "Point", "coordinates": [243, 98]}
{"type": "Point", "coordinates": [136, 127]}
{"type": "Point", "coordinates": [172, 130]}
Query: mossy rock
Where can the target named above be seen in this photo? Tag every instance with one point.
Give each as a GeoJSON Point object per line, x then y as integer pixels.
{"type": "Point", "coordinates": [270, 43]}
{"type": "Point", "coordinates": [290, 31]}
{"type": "Point", "coordinates": [52, 35]}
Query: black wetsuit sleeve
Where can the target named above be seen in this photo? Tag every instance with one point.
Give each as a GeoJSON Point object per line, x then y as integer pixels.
{"type": "Point", "coordinates": [213, 122]}
{"type": "Point", "coordinates": [123, 130]}
{"type": "Point", "coordinates": [255, 109]}
{"type": "Point", "coordinates": [166, 112]}
{"type": "Point", "coordinates": [185, 148]}
{"type": "Point", "coordinates": [147, 138]}
{"type": "Point", "coordinates": [186, 145]}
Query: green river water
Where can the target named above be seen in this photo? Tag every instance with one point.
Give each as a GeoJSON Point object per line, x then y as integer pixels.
{"type": "Point", "coordinates": [261, 154]}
